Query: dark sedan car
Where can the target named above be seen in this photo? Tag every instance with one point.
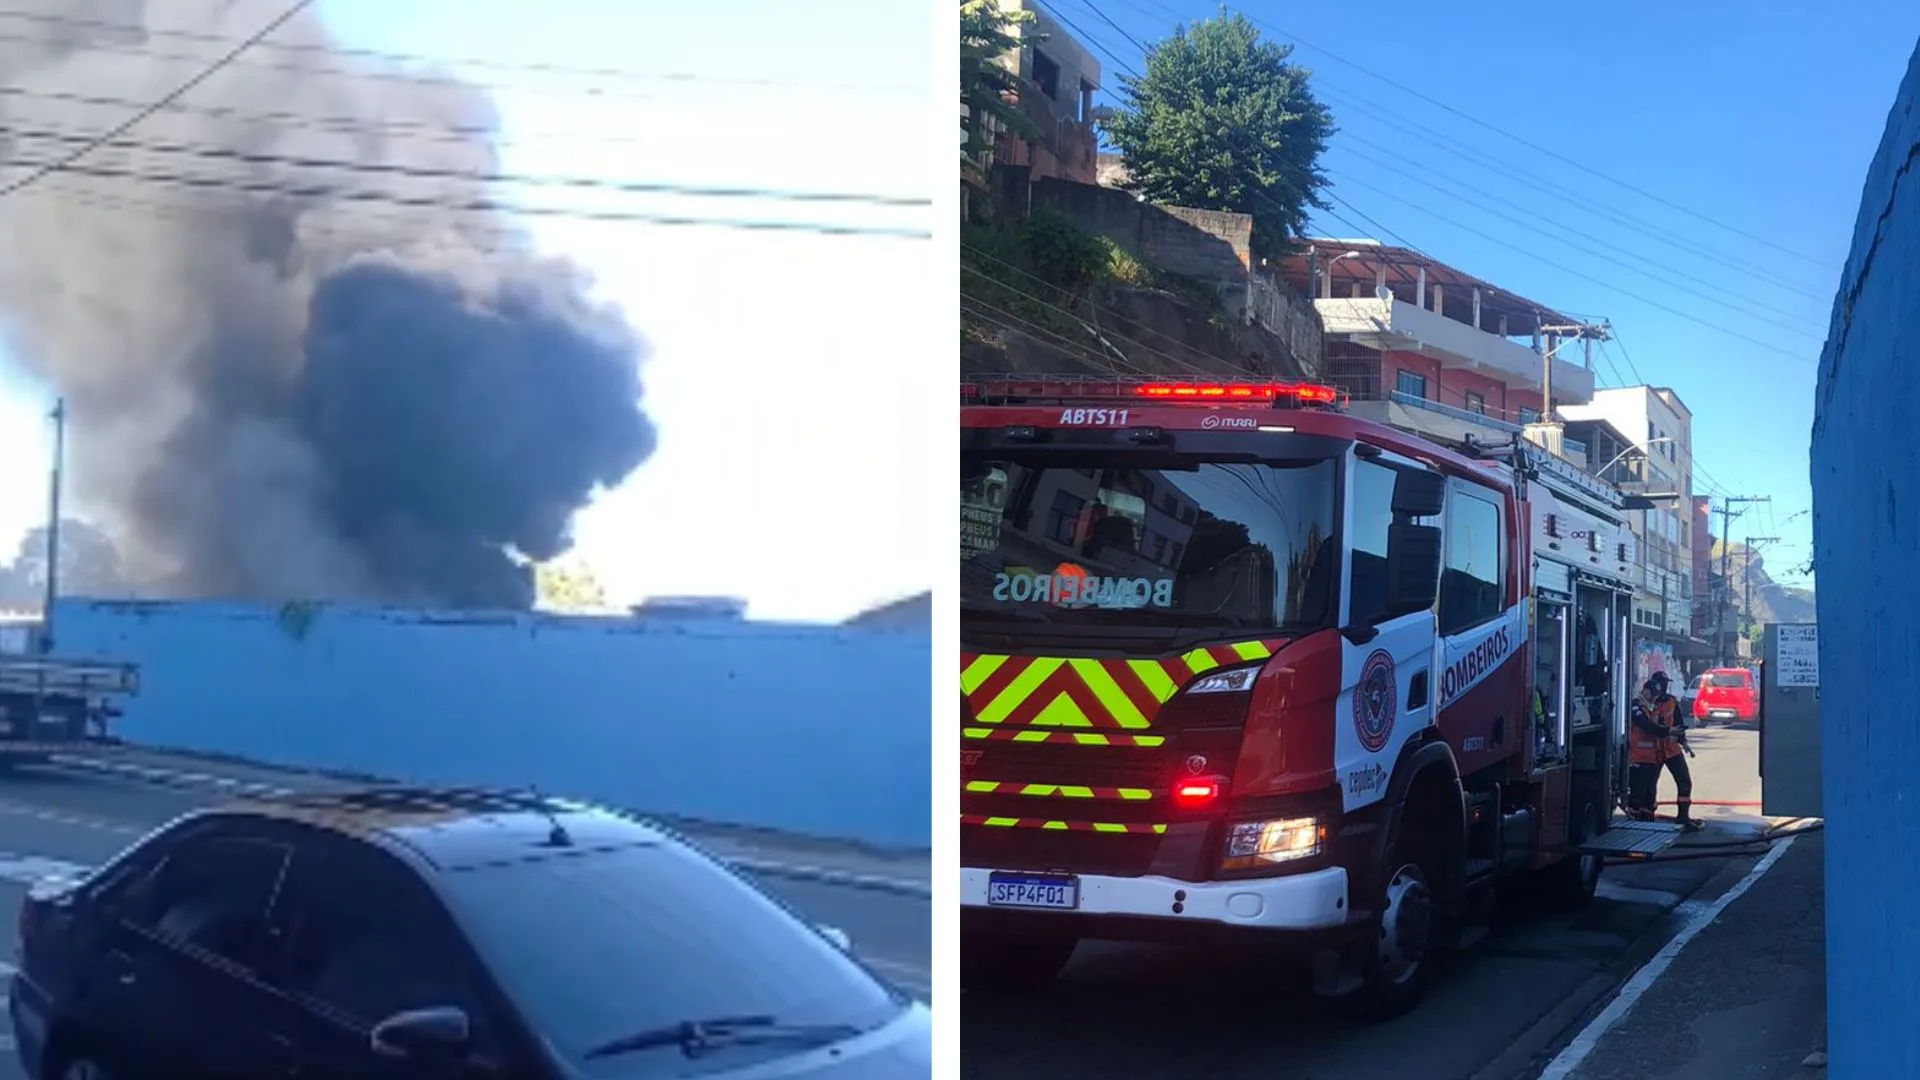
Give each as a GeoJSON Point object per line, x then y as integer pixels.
{"type": "Point", "coordinates": [392, 933]}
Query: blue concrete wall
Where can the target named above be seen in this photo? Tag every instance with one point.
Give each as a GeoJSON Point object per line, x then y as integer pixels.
{"type": "Point", "coordinates": [1866, 531]}
{"type": "Point", "coordinates": [818, 730]}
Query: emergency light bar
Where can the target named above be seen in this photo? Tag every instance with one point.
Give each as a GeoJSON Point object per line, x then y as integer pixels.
{"type": "Point", "coordinates": [1063, 388]}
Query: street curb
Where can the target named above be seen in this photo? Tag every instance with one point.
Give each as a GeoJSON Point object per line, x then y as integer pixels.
{"type": "Point", "coordinates": [752, 864]}
{"type": "Point", "coordinates": [1535, 1046]}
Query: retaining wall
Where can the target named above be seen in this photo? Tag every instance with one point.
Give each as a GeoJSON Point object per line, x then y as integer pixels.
{"type": "Point", "coordinates": [1866, 541]}
{"type": "Point", "coordinates": [815, 730]}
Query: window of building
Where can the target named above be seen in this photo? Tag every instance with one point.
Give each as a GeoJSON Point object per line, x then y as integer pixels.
{"type": "Point", "coordinates": [1471, 585]}
{"type": "Point", "coordinates": [1476, 403]}
{"type": "Point", "coordinates": [1410, 384]}
{"type": "Point", "coordinates": [1046, 74]}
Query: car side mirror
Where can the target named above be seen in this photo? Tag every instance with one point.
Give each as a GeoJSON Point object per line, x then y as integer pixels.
{"type": "Point", "coordinates": [838, 937]}
{"type": "Point", "coordinates": [435, 1034]}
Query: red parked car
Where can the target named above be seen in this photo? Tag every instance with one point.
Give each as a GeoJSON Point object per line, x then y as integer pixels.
{"type": "Point", "coordinates": [1728, 694]}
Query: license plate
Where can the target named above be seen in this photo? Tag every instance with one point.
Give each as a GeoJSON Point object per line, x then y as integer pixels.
{"type": "Point", "coordinates": [1721, 714]}
{"type": "Point", "coordinates": [1058, 892]}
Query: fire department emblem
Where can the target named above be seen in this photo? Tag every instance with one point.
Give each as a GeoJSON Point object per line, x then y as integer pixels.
{"type": "Point", "coordinates": [1373, 701]}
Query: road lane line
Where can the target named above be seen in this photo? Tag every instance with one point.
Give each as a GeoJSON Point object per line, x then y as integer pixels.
{"type": "Point", "coordinates": [1583, 1044]}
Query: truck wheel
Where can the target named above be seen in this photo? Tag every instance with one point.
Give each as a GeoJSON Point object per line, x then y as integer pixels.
{"type": "Point", "coordinates": [1402, 949]}
{"type": "Point", "coordinates": [1570, 883]}
{"type": "Point", "coordinates": [1010, 963]}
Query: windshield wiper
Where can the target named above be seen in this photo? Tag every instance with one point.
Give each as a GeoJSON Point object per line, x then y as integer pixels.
{"type": "Point", "coordinates": [696, 1037]}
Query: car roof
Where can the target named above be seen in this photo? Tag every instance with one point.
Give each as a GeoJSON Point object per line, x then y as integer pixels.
{"type": "Point", "coordinates": [456, 828]}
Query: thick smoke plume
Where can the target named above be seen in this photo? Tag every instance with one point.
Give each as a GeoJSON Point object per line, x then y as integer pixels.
{"type": "Point", "coordinates": [279, 386]}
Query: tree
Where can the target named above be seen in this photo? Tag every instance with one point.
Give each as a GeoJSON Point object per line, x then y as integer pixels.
{"type": "Point", "coordinates": [989, 89]}
{"type": "Point", "coordinates": [89, 565]}
{"type": "Point", "coordinates": [566, 587]}
{"type": "Point", "coordinates": [1221, 120]}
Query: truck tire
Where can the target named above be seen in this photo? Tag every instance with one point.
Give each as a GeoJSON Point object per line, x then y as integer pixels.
{"type": "Point", "coordinates": [1401, 951]}
{"type": "Point", "coordinates": [995, 963]}
{"type": "Point", "coordinates": [1570, 883]}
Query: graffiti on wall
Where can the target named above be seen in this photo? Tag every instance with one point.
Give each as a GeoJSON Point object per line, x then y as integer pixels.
{"type": "Point", "coordinates": [1652, 656]}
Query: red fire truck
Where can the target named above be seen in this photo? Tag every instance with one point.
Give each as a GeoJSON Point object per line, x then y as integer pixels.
{"type": "Point", "coordinates": [1235, 663]}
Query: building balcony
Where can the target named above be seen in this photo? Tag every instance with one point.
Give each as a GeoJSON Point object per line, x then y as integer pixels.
{"type": "Point", "coordinates": [1434, 420]}
{"type": "Point", "coordinates": [1394, 325]}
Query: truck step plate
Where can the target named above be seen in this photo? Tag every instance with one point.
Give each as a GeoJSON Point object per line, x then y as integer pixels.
{"type": "Point", "coordinates": [1057, 892]}
{"type": "Point", "coordinates": [1633, 839]}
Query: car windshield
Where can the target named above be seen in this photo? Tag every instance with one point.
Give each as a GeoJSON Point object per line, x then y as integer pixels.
{"type": "Point", "coordinates": [1227, 544]}
{"type": "Point", "coordinates": [1727, 680]}
{"type": "Point", "coordinates": [599, 945]}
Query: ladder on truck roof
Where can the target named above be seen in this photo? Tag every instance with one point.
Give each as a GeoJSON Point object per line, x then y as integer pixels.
{"type": "Point", "coordinates": [67, 678]}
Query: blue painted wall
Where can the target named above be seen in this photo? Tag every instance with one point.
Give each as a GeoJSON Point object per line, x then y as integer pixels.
{"type": "Point", "coordinates": [817, 730]}
{"type": "Point", "coordinates": [1866, 533]}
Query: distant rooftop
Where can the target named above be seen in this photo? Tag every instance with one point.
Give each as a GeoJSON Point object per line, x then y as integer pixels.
{"type": "Point", "coordinates": [1402, 267]}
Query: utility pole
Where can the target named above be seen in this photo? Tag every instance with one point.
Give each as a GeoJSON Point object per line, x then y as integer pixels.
{"type": "Point", "coordinates": [59, 418]}
{"type": "Point", "coordinates": [1748, 571]}
{"type": "Point", "coordinates": [1722, 653]}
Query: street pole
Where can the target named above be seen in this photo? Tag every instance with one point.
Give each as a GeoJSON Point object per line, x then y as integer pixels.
{"type": "Point", "coordinates": [1748, 569]}
{"type": "Point", "coordinates": [1723, 653]}
{"type": "Point", "coordinates": [59, 418]}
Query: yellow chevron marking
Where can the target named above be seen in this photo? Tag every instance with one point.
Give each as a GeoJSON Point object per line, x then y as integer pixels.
{"type": "Point", "coordinates": [1155, 678]}
{"type": "Point", "coordinates": [1061, 712]}
{"type": "Point", "coordinates": [983, 787]}
{"type": "Point", "coordinates": [1031, 736]}
{"type": "Point", "coordinates": [1023, 684]}
{"type": "Point", "coordinates": [1252, 650]}
{"type": "Point", "coordinates": [1002, 822]}
{"type": "Point", "coordinates": [1115, 699]}
{"type": "Point", "coordinates": [975, 675]}
{"type": "Point", "coordinates": [1200, 661]}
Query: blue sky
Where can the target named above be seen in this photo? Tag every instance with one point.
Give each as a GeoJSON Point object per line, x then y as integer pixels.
{"type": "Point", "coordinates": [777, 359]}
{"type": "Point", "coordinates": [1760, 116]}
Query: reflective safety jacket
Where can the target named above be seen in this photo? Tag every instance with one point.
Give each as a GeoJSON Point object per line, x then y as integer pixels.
{"type": "Point", "coordinates": [1646, 745]}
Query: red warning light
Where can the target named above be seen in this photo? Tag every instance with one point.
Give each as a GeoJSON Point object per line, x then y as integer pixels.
{"type": "Point", "coordinates": [1305, 393]}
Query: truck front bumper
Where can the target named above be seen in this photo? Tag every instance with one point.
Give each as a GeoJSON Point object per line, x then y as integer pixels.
{"type": "Point", "coordinates": [1312, 901]}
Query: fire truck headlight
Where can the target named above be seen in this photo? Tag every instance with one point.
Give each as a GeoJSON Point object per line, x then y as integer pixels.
{"type": "Point", "coordinates": [1253, 843]}
{"type": "Point", "coordinates": [1234, 681]}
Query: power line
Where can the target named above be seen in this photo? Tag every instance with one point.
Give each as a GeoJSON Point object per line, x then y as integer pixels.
{"type": "Point", "coordinates": [124, 126]}
{"type": "Point", "coordinates": [1589, 277]}
{"type": "Point", "coordinates": [1540, 148]}
{"type": "Point", "coordinates": [398, 59]}
{"type": "Point", "coordinates": [489, 206]}
{"type": "Point", "coordinates": [1744, 306]}
{"type": "Point", "coordinates": [1516, 173]}
{"type": "Point", "coordinates": [1532, 180]}
{"type": "Point", "coordinates": [202, 150]}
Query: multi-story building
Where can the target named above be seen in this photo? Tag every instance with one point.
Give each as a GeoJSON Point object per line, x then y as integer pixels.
{"type": "Point", "coordinates": [1659, 466]}
{"type": "Point", "coordinates": [1058, 78]}
{"type": "Point", "coordinates": [1706, 576]}
{"type": "Point", "coordinates": [1429, 348]}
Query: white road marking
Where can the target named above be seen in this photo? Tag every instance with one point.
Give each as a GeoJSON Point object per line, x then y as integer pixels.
{"type": "Point", "coordinates": [1577, 1051]}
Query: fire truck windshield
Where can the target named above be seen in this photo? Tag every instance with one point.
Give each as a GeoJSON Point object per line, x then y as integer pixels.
{"type": "Point", "coordinates": [1169, 549]}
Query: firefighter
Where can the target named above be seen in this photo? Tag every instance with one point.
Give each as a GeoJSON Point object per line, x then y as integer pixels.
{"type": "Point", "coordinates": [1655, 741]}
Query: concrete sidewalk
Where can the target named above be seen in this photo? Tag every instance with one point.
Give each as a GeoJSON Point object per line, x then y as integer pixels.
{"type": "Point", "coordinates": [1745, 999]}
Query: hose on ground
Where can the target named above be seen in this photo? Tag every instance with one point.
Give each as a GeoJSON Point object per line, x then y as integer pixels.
{"type": "Point", "coordinates": [1721, 849]}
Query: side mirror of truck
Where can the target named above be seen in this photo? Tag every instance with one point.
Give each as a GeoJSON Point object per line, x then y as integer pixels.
{"type": "Point", "coordinates": [1418, 493]}
{"type": "Point", "coordinates": [1413, 567]}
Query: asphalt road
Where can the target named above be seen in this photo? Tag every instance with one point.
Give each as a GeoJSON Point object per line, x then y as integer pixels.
{"type": "Point", "coordinates": [1147, 1012]}
{"type": "Point", "coordinates": [51, 819]}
